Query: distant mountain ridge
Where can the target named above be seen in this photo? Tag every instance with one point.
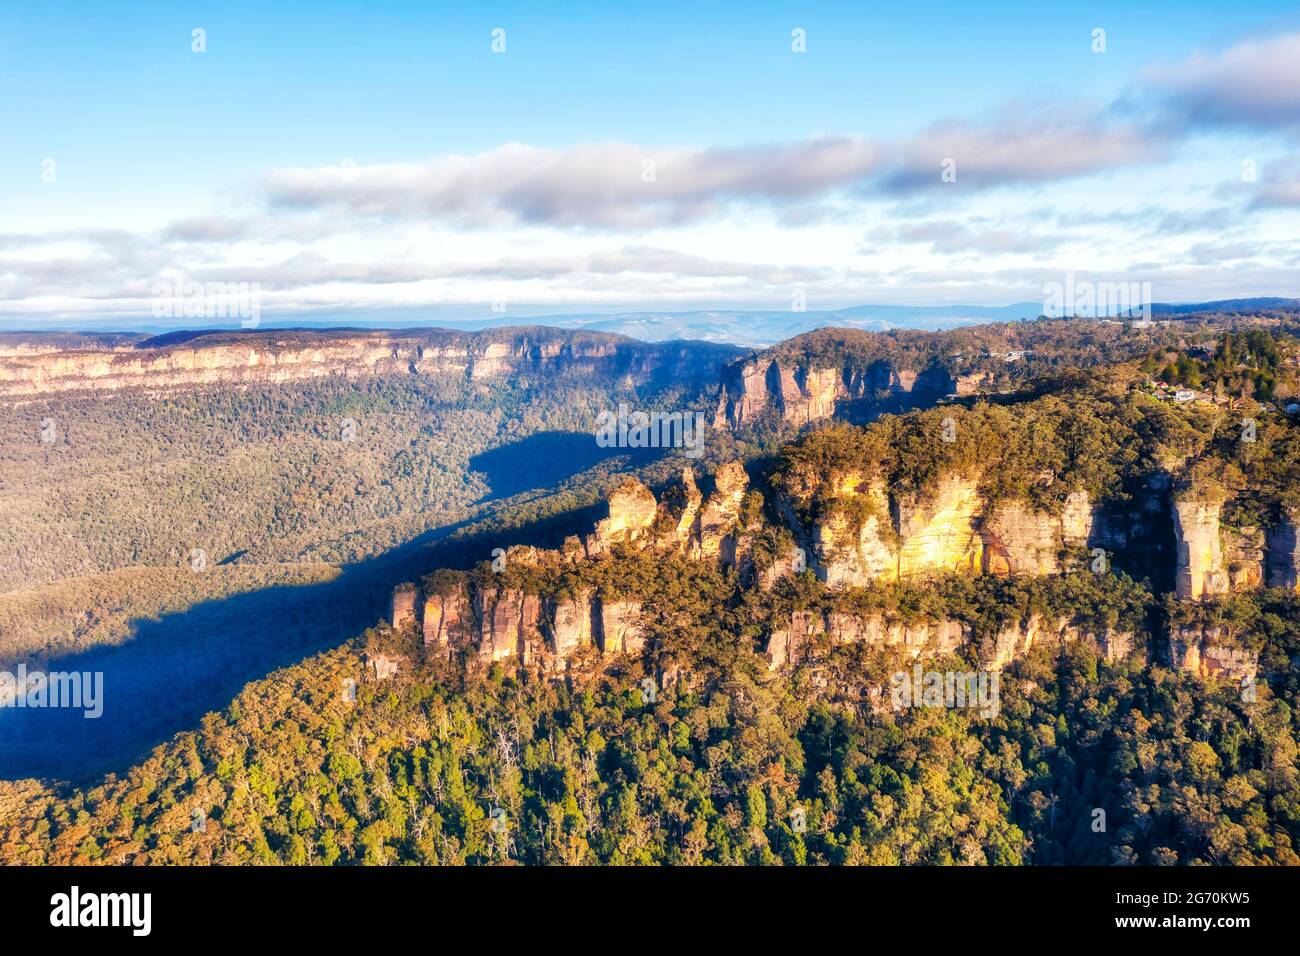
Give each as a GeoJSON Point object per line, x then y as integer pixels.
{"type": "Point", "coordinates": [747, 328]}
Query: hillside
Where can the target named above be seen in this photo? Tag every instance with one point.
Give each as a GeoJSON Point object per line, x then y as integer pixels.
{"type": "Point", "coordinates": [710, 673]}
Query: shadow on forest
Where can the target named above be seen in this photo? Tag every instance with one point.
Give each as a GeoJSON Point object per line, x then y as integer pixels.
{"type": "Point", "coordinates": [547, 459]}
{"type": "Point", "coordinates": [174, 669]}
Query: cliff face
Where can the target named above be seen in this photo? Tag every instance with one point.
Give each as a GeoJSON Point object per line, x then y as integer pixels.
{"type": "Point", "coordinates": [856, 545]}
{"type": "Point", "coordinates": [868, 537]}
{"type": "Point", "coordinates": [1282, 554]}
{"type": "Point", "coordinates": [569, 625]}
{"type": "Point", "coordinates": [1019, 539]}
{"type": "Point", "coordinates": [444, 618]}
{"type": "Point", "coordinates": [1210, 652]}
{"type": "Point", "coordinates": [938, 532]}
{"type": "Point", "coordinates": [859, 534]}
{"type": "Point", "coordinates": [800, 393]}
{"type": "Point", "coordinates": [172, 361]}
{"type": "Point", "coordinates": [506, 621]}
{"type": "Point", "coordinates": [620, 627]}
{"type": "Point", "coordinates": [403, 611]}
{"type": "Point", "coordinates": [796, 643]}
{"type": "Point", "coordinates": [1199, 550]}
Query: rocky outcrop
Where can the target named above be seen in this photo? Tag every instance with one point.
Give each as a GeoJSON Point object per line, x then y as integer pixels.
{"type": "Point", "coordinates": [681, 503]}
{"type": "Point", "coordinates": [403, 612]}
{"type": "Point", "coordinates": [632, 512]}
{"type": "Point", "coordinates": [506, 622]}
{"type": "Point", "coordinates": [799, 393]}
{"type": "Point", "coordinates": [1199, 549]}
{"type": "Point", "coordinates": [1019, 539]}
{"type": "Point", "coordinates": [718, 515]}
{"type": "Point", "coordinates": [794, 643]}
{"type": "Point", "coordinates": [1210, 651]}
{"type": "Point", "coordinates": [444, 618]}
{"type": "Point", "coordinates": [1016, 640]}
{"type": "Point", "coordinates": [939, 531]}
{"type": "Point", "coordinates": [861, 535]}
{"type": "Point", "coordinates": [853, 543]}
{"type": "Point", "coordinates": [384, 666]}
{"type": "Point", "coordinates": [620, 627]}
{"type": "Point", "coordinates": [1243, 557]}
{"type": "Point", "coordinates": [790, 645]}
{"type": "Point", "coordinates": [1282, 554]}
{"type": "Point", "coordinates": [569, 626]}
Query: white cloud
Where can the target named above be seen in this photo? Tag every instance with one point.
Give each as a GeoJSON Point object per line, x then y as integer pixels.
{"type": "Point", "coordinates": [1253, 83]}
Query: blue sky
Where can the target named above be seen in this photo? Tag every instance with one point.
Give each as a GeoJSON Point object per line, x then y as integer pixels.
{"type": "Point", "coordinates": [367, 156]}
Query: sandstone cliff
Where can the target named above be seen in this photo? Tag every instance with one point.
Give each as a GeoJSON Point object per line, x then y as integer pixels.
{"type": "Point", "coordinates": [1211, 652]}
{"type": "Point", "coordinates": [795, 642]}
{"type": "Point", "coordinates": [61, 364]}
{"type": "Point", "coordinates": [800, 393]}
{"type": "Point", "coordinates": [1199, 550]}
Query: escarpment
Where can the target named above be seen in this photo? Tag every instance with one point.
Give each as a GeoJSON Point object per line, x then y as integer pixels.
{"type": "Point", "coordinates": [278, 357]}
{"type": "Point", "coordinates": [928, 637]}
{"type": "Point", "coordinates": [800, 392]}
{"type": "Point", "coordinates": [481, 620]}
{"type": "Point", "coordinates": [1215, 559]}
{"type": "Point", "coordinates": [1211, 651]}
{"type": "Point", "coordinates": [856, 539]}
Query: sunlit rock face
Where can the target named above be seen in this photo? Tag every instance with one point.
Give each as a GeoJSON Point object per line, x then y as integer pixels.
{"type": "Point", "coordinates": [403, 613]}
{"type": "Point", "coordinates": [719, 513]}
{"type": "Point", "coordinates": [620, 627]}
{"type": "Point", "coordinates": [799, 394]}
{"type": "Point", "coordinates": [1210, 652]}
{"type": "Point", "coordinates": [790, 645]}
{"type": "Point", "coordinates": [1243, 557]}
{"type": "Point", "coordinates": [632, 510]}
{"type": "Point", "coordinates": [681, 503]}
{"type": "Point", "coordinates": [278, 357]}
{"type": "Point", "coordinates": [793, 643]}
{"type": "Point", "coordinates": [939, 531]}
{"type": "Point", "coordinates": [854, 545]}
{"type": "Point", "coordinates": [507, 620]}
{"type": "Point", "coordinates": [1019, 539]}
{"type": "Point", "coordinates": [444, 617]}
{"type": "Point", "coordinates": [569, 625]}
{"type": "Point", "coordinates": [1199, 550]}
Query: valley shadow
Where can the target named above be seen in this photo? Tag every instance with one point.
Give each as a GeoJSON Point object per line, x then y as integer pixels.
{"type": "Point", "coordinates": [548, 459]}
{"type": "Point", "coordinates": [174, 669]}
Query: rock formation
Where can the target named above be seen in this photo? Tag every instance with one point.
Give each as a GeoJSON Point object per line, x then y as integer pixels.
{"type": "Point", "coordinates": [793, 643]}
{"type": "Point", "coordinates": [444, 617]}
{"type": "Point", "coordinates": [182, 360]}
{"type": "Point", "coordinates": [403, 610]}
{"type": "Point", "coordinates": [1282, 553]}
{"type": "Point", "coordinates": [859, 535]}
{"type": "Point", "coordinates": [939, 531]}
{"type": "Point", "coordinates": [1211, 652]}
{"type": "Point", "coordinates": [632, 512]}
{"type": "Point", "coordinates": [1199, 549]}
{"type": "Point", "coordinates": [799, 393]}
{"type": "Point", "coordinates": [718, 515]}
{"type": "Point", "coordinates": [569, 625]}
{"type": "Point", "coordinates": [620, 628]}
